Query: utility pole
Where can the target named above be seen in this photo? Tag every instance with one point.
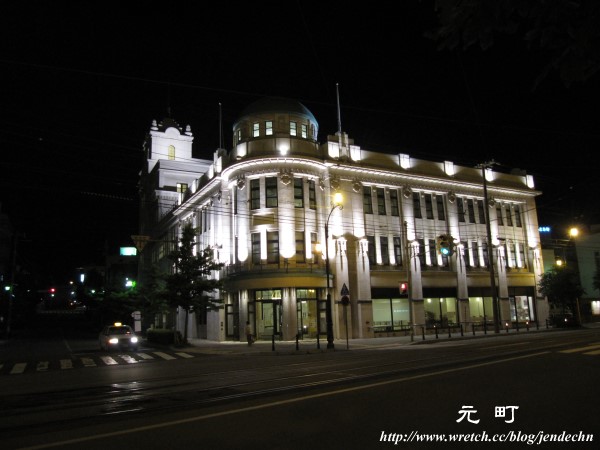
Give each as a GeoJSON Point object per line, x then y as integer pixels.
{"type": "Point", "coordinates": [496, 313]}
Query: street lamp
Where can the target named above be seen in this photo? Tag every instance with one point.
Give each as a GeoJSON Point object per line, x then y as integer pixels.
{"type": "Point", "coordinates": [337, 203]}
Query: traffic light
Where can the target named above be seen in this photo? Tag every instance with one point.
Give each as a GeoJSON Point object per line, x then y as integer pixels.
{"type": "Point", "coordinates": [446, 244]}
{"type": "Point", "coordinates": [403, 288]}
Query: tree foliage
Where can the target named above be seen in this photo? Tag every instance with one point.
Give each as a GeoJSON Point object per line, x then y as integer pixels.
{"type": "Point", "coordinates": [567, 32]}
{"type": "Point", "coordinates": [562, 287]}
{"type": "Point", "coordinates": [192, 285]}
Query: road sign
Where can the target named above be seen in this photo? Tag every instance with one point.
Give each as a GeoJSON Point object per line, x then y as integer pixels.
{"type": "Point", "coordinates": [140, 241]}
{"type": "Point", "coordinates": [345, 290]}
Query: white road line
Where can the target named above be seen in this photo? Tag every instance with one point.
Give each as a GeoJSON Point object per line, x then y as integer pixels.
{"type": "Point", "coordinates": [128, 359]}
{"type": "Point", "coordinates": [42, 366]}
{"type": "Point", "coordinates": [66, 364]}
{"type": "Point", "coordinates": [164, 355]}
{"type": "Point", "coordinates": [88, 362]}
{"type": "Point", "coordinates": [18, 368]}
{"type": "Point", "coordinates": [581, 349]}
{"type": "Point", "coordinates": [184, 355]}
{"type": "Point", "coordinates": [108, 360]}
{"type": "Point", "coordinates": [594, 353]}
{"type": "Point", "coordinates": [145, 356]}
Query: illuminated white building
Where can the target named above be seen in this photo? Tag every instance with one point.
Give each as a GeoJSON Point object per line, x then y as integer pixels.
{"type": "Point", "coordinates": [263, 205]}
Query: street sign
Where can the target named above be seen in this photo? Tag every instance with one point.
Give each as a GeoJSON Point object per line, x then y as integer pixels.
{"type": "Point", "coordinates": [140, 241]}
{"type": "Point", "coordinates": [345, 290]}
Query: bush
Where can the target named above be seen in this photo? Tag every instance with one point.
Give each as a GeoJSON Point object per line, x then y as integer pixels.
{"type": "Point", "coordinates": [160, 336]}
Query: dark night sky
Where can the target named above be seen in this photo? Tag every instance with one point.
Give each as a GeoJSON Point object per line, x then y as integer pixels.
{"type": "Point", "coordinates": [81, 85]}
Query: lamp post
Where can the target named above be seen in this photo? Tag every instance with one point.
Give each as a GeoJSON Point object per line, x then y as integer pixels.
{"type": "Point", "coordinates": [337, 203]}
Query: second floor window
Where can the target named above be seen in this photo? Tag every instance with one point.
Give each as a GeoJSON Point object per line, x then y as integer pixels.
{"type": "Point", "coordinates": [269, 128]}
{"type": "Point", "coordinates": [312, 195]}
{"type": "Point", "coordinates": [255, 130]}
{"type": "Point", "coordinates": [481, 211]}
{"type": "Point", "coordinates": [509, 221]}
{"type": "Point", "coordinates": [367, 200]}
{"type": "Point", "coordinates": [394, 205]}
{"type": "Point", "coordinates": [385, 251]}
{"type": "Point", "coordinates": [273, 247]}
{"type": "Point", "coordinates": [460, 206]}
{"type": "Point", "coordinates": [428, 206]}
{"type": "Point", "coordinates": [293, 129]}
{"type": "Point", "coordinates": [300, 247]}
{"type": "Point", "coordinates": [381, 201]}
{"type": "Point", "coordinates": [518, 216]}
{"type": "Point", "coordinates": [398, 250]}
{"type": "Point", "coordinates": [499, 215]}
{"type": "Point", "coordinates": [298, 193]}
{"type": "Point", "coordinates": [439, 200]}
{"type": "Point", "coordinates": [255, 248]}
{"type": "Point", "coordinates": [304, 131]}
{"type": "Point", "coordinates": [254, 194]}
{"type": "Point", "coordinates": [471, 210]}
{"type": "Point", "coordinates": [417, 205]}
{"type": "Point", "coordinates": [371, 250]}
{"type": "Point", "coordinates": [271, 189]}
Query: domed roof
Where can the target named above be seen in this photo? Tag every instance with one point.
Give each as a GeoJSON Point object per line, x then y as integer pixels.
{"type": "Point", "coordinates": [278, 105]}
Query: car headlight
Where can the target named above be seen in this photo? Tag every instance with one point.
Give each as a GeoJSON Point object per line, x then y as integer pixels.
{"type": "Point", "coordinates": [113, 341]}
{"type": "Point", "coordinates": [134, 340]}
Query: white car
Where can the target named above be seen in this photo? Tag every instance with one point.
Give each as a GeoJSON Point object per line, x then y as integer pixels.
{"type": "Point", "coordinates": [118, 336]}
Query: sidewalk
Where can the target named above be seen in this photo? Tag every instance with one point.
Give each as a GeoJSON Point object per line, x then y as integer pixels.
{"type": "Point", "coordinates": [304, 346]}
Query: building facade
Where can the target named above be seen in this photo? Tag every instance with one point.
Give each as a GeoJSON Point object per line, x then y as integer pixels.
{"type": "Point", "coordinates": [265, 205]}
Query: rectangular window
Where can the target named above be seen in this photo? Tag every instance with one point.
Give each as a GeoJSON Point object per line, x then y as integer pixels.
{"type": "Point", "coordinates": [509, 221]}
{"type": "Point", "coordinates": [398, 250]}
{"type": "Point", "coordinates": [417, 205]}
{"type": "Point", "coordinates": [300, 247]}
{"type": "Point", "coordinates": [481, 211]}
{"type": "Point", "coordinates": [371, 250]}
{"type": "Point", "coordinates": [271, 189]}
{"type": "Point", "coordinates": [461, 209]}
{"type": "Point", "coordinates": [312, 195]}
{"type": "Point", "coordinates": [298, 193]}
{"type": "Point", "coordinates": [521, 260]}
{"type": "Point", "coordinates": [471, 210]}
{"type": "Point", "coordinates": [304, 131]}
{"type": "Point", "coordinates": [433, 252]}
{"type": "Point", "coordinates": [421, 250]}
{"type": "Point", "coordinates": [518, 216]}
{"type": "Point", "coordinates": [499, 215]}
{"type": "Point", "coordinates": [254, 194]}
{"type": "Point", "coordinates": [181, 190]}
{"type": "Point", "coordinates": [385, 251]}
{"type": "Point", "coordinates": [256, 130]}
{"type": "Point", "coordinates": [439, 200]}
{"type": "Point", "coordinates": [239, 135]}
{"type": "Point", "coordinates": [510, 260]}
{"type": "Point", "coordinates": [171, 153]}
{"type": "Point", "coordinates": [381, 201]}
{"type": "Point", "coordinates": [367, 200]}
{"type": "Point", "coordinates": [428, 206]}
{"type": "Point", "coordinates": [293, 130]}
{"type": "Point", "coordinates": [394, 205]}
{"type": "Point", "coordinates": [313, 247]}
{"type": "Point", "coordinates": [273, 247]}
{"type": "Point", "coordinates": [255, 248]}
{"type": "Point", "coordinates": [269, 128]}
{"type": "Point", "coordinates": [485, 254]}
{"type": "Point", "coordinates": [475, 252]}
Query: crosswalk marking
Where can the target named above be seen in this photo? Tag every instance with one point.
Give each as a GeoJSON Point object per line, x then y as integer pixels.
{"type": "Point", "coordinates": [108, 360]}
{"type": "Point", "coordinates": [66, 364]}
{"type": "Point", "coordinates": [164, 355]}
{"type": "Point", "coordinates": [18, 368]}
{"type": "Point", "coordinates": [88, 361]}
{"type": "Point", "coordinates": [582, 349]}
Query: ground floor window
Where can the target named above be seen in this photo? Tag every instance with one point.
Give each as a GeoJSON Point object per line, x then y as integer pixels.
{"type": "Point", "coordinates": [307, 313]}
{"type": "Point", "coordinates": [520, 308]}
{"type": "Point", "coordinates": [390, 314]}
{"type": "Point", "coordinates": [481, 309]}
{"type": "Point", "coordinates": [441, 311]}
{"type": "Point", "coordinates": [267, 313]}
